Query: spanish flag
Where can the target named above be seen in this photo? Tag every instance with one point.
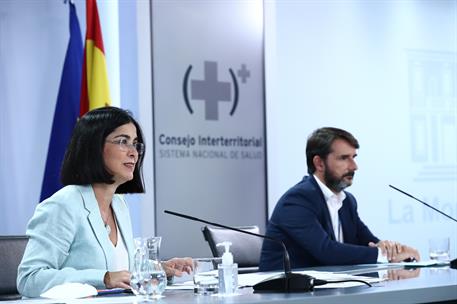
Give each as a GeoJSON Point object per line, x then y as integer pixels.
{"type": "Point", "coordinates": [94, 84]}
{"type": "Point", "coordinates": [67, 108]}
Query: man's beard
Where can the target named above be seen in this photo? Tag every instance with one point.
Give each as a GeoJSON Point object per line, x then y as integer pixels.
{"type": "Point", "coordinates": [336, 183]}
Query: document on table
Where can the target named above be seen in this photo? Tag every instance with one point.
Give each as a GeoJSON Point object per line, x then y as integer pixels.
{"type": "Point", "coordinates": [250, 279]}
{"type": "Point", "coordinates": [189, 285]}
{"type": "Point", "coordinates": [426, 263]}
{"type": "Point", "coordinates": [90, 300]}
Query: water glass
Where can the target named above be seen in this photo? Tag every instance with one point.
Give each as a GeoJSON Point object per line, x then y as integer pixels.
{"type": "Point", "coordinates": [205, 276]}
{"type": "Point", "coordinates": [148, 279]}
{"type": "Point", "coordinates": [439, 248]}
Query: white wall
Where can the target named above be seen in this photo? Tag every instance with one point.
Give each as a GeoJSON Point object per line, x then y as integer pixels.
{"type": "Point", "coordinates": [385, 71]}
{"type": "Point", "coordinates": [33, 41]}
{"type": "Point", "coordinates": [352, 64]}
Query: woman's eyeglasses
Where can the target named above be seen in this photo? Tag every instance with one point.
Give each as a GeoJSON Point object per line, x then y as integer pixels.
{"type": "Point", "coordinates": [125, 146]}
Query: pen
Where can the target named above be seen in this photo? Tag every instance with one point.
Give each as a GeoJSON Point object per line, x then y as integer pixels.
{"type": "Point", "coordinates": [104, 292]}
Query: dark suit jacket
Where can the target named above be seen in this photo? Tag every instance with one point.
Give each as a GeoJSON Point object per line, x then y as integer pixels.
{"type": "Point", "coordinates": [301, 219]}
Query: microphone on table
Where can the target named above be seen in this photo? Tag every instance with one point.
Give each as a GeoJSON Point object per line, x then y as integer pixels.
{"type": "Point", "coordinates": [454, 261]}
{"type": "Point", "coordinates": [284, 282]}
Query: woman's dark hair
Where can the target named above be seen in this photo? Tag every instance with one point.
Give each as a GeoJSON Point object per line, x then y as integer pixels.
{"type": "Point", "coordinates": [320, 143]}
{"type": "Point", "coordinates": [83, 163]}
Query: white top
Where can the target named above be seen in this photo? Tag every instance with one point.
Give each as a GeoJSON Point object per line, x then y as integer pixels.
{"type": "Point", "coordinates": [121, 256]}
{"type": "Point", "coordinates": [334, 203]}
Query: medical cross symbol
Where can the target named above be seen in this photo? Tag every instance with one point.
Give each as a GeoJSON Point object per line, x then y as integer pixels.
{"type": "Point", "coordinates": [243, 73]}
{"type": "Point", "coordinates": [211, 91]}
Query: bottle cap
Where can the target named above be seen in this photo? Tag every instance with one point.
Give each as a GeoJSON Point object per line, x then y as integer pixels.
{"type": "Point", "coordinates": [227, 257]}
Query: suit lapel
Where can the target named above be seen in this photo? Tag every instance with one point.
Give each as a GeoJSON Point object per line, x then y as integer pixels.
{"type": "Point", "coordinates": [95, 220]}
{"type": "Point", "coordinates": [345, 219]}
{"type": "Point", "coordinates": [326, 213]}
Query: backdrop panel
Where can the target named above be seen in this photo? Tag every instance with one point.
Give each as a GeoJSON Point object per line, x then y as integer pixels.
{"type": "Point", "coordinates": [387, 72]}
{"type": "Point", "coordinates": [209, 143]}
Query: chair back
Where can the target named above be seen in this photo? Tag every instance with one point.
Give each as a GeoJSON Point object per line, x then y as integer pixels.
{"type": "Point", "coordinates": [245, 248]}
{"type": "Point", "coordinates": [12, 249]}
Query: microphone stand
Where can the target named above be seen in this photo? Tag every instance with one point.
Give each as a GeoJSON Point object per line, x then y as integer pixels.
{"type": "Point", "coordinates": [284, 282]}
{"type": "Point", "coordinates": [453, 263]}
{"type": "Point", "coordinates": [407, 194]}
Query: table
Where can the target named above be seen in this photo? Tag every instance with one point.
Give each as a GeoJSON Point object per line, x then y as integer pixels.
{"type": "Point", "coordinates": [421, 285]}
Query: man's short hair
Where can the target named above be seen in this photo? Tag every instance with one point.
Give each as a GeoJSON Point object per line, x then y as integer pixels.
{"type": "Point", "coordinates": [320, 143]}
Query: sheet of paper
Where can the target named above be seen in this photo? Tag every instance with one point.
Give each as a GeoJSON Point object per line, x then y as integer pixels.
{"type": "Point", "coordinates": [95, 300]}
{"type": "Point", "coordinates": [70, 291]}
{"type": "Point", "coordinates": [425, 263]}
{"type": "Point", "coordinates": [250, 279]}
{"type": "Point", "coordinates": [189, 285]}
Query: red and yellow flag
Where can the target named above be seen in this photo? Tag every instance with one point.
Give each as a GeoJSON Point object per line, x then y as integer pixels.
{"type": "Point", "coordinates": [94, 83]}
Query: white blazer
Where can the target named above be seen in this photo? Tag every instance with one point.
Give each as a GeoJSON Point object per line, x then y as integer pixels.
{"type": "Point", "coordinates": [68, 241]}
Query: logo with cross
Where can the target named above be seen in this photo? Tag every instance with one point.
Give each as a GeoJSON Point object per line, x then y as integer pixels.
{"type": "Point", "coordinates": [212, 91]}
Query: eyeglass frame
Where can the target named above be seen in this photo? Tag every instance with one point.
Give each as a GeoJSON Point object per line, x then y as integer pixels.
{"type": "Point", "coordinates": [123, 145]}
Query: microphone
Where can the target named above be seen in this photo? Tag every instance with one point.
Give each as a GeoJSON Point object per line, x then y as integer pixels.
{"type": "Point", "coordinates": [454, 261]}
{"type": "Point", "coordinates": [284, 282]}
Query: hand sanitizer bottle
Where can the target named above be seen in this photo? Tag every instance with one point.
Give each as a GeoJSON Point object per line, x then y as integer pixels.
{"type": "Point", "coordinates": [228, 272]}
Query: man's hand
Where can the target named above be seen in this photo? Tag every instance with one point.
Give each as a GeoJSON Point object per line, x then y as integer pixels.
{"type": "Point", "coordinates": [400, 274]}
{"type": "Point", "coordinates": [406, 253]}
{"type": "Point", "coordinates": [177, 266]}
{"type": "Point", "coordinates": [389, 249]}
{"type": "Point", "coordinates": [117, 279]}
{"type": "Point", "coordinates": [396, 252]}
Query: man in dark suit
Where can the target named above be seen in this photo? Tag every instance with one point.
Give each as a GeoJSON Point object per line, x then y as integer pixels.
{"type": "Point", "coordinates": [318, 221]}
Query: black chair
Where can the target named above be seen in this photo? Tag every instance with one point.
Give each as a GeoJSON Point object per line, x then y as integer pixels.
{"type": "Point", "coordinates": [245, 248]}
{"type": "Point", "coordinates": [11, 251]}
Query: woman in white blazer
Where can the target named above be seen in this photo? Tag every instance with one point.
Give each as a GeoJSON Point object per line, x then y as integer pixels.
{"type": "Point", "coordinates": [83, 232]}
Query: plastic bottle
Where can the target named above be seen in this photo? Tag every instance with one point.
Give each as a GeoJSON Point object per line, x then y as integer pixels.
{"type": "Point", "coordinates": [228, 272]}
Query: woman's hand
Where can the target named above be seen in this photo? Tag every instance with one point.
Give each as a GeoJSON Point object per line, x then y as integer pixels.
{"type": "Point", "coordinates": [177, 266]}
{"type": "Point", "coordinates": [117, 279]}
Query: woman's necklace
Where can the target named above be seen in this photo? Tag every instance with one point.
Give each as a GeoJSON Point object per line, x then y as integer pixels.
{"type": "Point", "coordinates": [107, 226]}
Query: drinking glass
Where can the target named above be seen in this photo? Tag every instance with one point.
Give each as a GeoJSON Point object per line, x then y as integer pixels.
{"type": "Point", "coordinates": [439, 248]}
{"type": "Point", "coordinates": [205, 276]}
{"type": "Point", "coordinates": [148, 279]}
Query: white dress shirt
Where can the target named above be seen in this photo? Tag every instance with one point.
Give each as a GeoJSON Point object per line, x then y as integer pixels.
{"type": "Point", "coordinates": [334, 203]}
